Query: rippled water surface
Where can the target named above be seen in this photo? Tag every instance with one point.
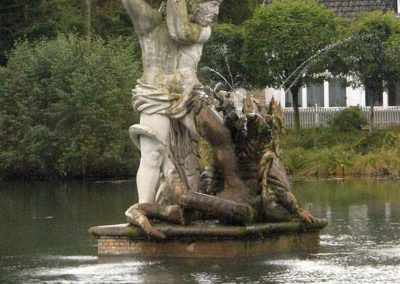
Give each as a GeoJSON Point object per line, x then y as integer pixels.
{"type": "Point", "coordinates": [44, 239]}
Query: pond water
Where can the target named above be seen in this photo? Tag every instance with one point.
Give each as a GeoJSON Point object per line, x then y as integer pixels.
{"type": "Point", "coordinates": [44, 239]}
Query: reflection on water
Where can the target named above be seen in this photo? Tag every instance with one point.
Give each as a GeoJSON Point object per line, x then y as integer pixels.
{"type": "Point", "coordinates": [43, 238]}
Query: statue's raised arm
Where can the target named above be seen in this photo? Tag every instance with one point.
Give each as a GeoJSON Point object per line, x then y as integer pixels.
{"type": "Point", "coordinates": [187, 23]}
{"type": "Point", "coordinates": [143, 16]}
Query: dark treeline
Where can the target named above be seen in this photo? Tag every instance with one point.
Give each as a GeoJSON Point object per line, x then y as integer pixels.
{"type": "Point", "coordinates": [34, 19]}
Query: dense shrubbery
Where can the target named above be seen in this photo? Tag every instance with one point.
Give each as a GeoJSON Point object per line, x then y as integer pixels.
{"type": "Point", "coordinates": [327, 152]}
{"type": "Point", "coordinates": [65, 109]}
{"type": "Point", "coordinates": [348, 119]}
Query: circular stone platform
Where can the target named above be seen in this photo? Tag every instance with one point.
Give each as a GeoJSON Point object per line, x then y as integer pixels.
{"type": "Point", "coordinates": [208, 239]}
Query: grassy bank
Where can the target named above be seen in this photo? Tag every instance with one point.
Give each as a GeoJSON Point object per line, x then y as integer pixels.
{"type": "Point", "coordinates": [323, 152]}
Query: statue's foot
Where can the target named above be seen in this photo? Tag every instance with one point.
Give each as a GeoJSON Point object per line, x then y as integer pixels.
{"type": "Point", "coordinates": [306, 216]}
{"type": "Point", "coordinates": [137, 217]}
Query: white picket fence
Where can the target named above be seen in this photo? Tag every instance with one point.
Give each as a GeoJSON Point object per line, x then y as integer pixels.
{"type": "Point", "coordinates": [319, 116]}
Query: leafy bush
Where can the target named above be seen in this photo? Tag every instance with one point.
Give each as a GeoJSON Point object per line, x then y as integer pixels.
{"type": "Point", "coordinates": [348, 119]}
{"type": "Point", "coordinates": [66, 108]}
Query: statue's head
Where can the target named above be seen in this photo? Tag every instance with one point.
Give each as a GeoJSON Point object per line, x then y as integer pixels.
{"type": "Point", "coordinates": [204, 11]}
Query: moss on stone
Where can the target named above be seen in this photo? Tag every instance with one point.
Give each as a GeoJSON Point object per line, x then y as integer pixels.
{"type": "Point", "coordinates": [133, 232]}
{"type": "Point", "coordinates": [206, 154]}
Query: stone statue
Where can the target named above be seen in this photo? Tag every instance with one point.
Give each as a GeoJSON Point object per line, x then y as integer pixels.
{"type": "Point", "coordinates": [174, 115]}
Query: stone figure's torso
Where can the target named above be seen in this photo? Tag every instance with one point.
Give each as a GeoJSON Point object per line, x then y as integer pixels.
{"type": "Point", "coordinates": [188, 62]}
{"type": "Point", "coordinates": [159, 56]}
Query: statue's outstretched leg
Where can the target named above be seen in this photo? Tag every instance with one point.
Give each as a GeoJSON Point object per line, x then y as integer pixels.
{"type": "Point", "coordinates": [221, 208]}
{"type": "Point", "coordinates": [169, 213]}
{"type": "Point", "coordinates": [137, 216]}
{"type": "Point", "coordinates": [140, 213]}
{"type": "Point", "coordinates": [212, 205]}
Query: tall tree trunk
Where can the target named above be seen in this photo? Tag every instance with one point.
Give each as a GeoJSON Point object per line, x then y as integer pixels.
{"type": "Point", "coordinates": [88, 20]}
{"type": "Point", "coordinates": [377, 90]}
{"type": "Point", "coordinates": [371, 113]}
{"type": "Point", "coordinates": [295, 97]}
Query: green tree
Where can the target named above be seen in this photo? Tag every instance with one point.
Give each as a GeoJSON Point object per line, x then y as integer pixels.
{"type": "Point", "coordinates": [281, 37]}
{"type": "Point", "coordinates": [65, 109]}
{"type": "Point", "coordinates": [373, 58]}
{"type": "Point", "coordinates": [222, 54]}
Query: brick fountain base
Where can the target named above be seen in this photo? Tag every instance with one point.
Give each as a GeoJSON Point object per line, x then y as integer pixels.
{"type": "Point", "coordinates": [209, 239]}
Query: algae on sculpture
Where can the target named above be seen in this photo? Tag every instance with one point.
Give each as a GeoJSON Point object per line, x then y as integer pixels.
{"type": "Point", "coordinates": [174, 114]}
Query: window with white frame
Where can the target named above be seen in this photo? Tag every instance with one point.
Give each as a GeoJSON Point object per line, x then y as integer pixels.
{"type": "Point", "coordinates": [337, 92]}
{"type": "Point", "coordinates": [398, 7]}
{"type": "Point", "coordinates": [315, 95]}
{"type": "Point", "coordinates": [373, 95]}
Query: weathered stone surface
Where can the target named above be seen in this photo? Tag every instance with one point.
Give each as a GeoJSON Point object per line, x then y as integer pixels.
{"type": "Point", "coordinates": [205, 239]}
{"type": "Point", "coordinates": [205, 230]}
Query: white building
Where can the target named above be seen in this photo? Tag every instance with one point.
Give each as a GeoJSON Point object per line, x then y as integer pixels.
{"type": "Point", "coordinates": [334, 93]}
